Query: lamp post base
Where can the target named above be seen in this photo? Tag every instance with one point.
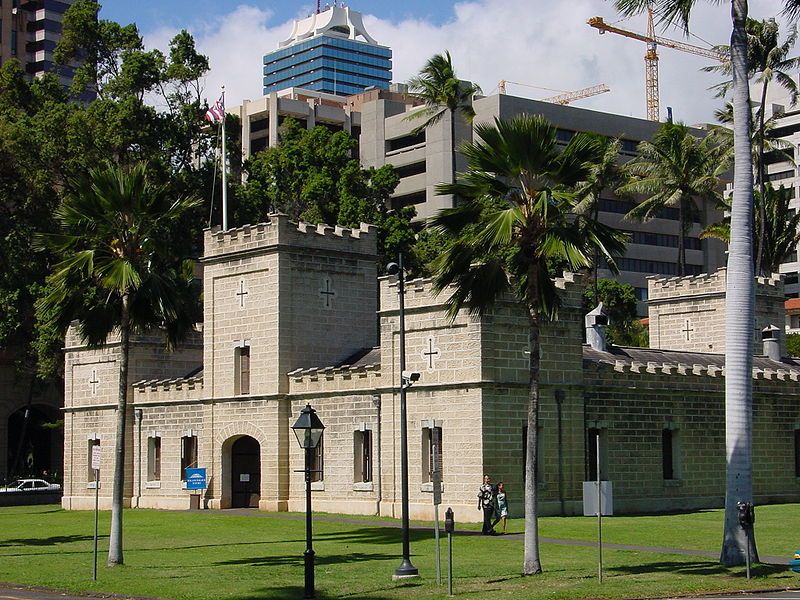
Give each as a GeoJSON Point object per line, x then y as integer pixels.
{"type": "Point", "coordinates": [405, 571]}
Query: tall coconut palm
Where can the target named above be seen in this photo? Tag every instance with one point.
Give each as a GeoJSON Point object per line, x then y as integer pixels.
{"type": "Point", "coordinates": [516, 215]}
{"type": "Point", "coordinates": [674, 169]}
{"type": "Point", "coordinates": [604, 173]}
{"type": "Point", "coordinates": [443, 93]}
{"type": "Point", "coordinates": [740, 293]}
{"type": "Point", "coordinates": [768, 60]}
{"type": "Point", "coordinates": [117, 275]}
{"type": "Point", "coordinates": [782, 227]}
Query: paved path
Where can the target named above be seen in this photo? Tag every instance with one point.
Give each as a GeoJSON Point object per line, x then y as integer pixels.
{"type": "Point", "coordinates": [14, 593]}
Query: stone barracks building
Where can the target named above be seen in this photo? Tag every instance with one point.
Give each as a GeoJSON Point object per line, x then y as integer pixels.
{"type": "Point", "coordinates": [295, 314]}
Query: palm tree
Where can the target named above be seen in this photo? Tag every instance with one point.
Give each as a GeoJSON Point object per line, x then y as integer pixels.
{"type": "Point", "coordinates": [782, 227]}
{"type": "Point", "coordinates": [604, 173]}
{"type": "Point", "coordinates": [116, 274]}
{"type": "Point", "coordinates": [443, 94]}
{"type": "Point", "coordinates": [517, 215]}
{"type": "Point", "coordinates": [740, 294]}
{"type": "Point", "coordinates": [674, 169]}
{"type": "Point", "coordinates": [768, 60]}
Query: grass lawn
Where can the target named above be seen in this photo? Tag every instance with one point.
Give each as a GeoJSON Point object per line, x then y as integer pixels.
{"type": "Point", "coordinates": [211, 554]}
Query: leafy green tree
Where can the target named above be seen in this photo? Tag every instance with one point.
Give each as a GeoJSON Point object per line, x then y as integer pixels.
{"type": "Point", "coordinates": [740, 294]}
{"type": "Point", "coordinates": [443, 93]}
{"type": "Point", "coordinates": [605, 173]}
{"type": "Point", "coordinates": [619, 303]}
{"type": "Point", "coordinates": [793, 344]}
{"type": "Point", "coordinates": [781, 233]}
{"type": "Point", "coordinates": [768, 60]}
{"type": "Point", "coordinates": [516, 214]}
{"type": "Point", "coordinates": [312, 175]}
{"type": "Point", "coordinates": [674, 169]}
{"type": "Point", "coordinates": [117, 273]}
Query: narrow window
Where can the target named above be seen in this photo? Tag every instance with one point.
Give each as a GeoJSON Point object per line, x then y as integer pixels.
{"type": "Point", "coordinates": [188, 454]}
{"type": "Point", "coordinates": [154, 458]}
{"type": "Point", "coordinates": [666, 454]}
{"type": "Point", "coordinates": [317, 463]}
{"type": "Point", "coordinates": [242, 371]}
{"type": "Point", "coordinates": [797, 452]}
{"type": "Point", "coordinates": [89, 471]}
{"type": "Point", "coordinates": [592, 435]}
{"type": "Point", "coordinates": [670, 453]}
{"type": "Point", "coordinates": [362, 456]}
{"type": "Point", "coordinates": [539, 453]}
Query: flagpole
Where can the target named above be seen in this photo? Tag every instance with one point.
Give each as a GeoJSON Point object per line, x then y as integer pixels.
{"type": "Point", "coordinates": [224, 169]}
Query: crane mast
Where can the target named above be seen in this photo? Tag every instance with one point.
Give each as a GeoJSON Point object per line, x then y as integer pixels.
{"type": "Point", "coordinates": [651, 56]}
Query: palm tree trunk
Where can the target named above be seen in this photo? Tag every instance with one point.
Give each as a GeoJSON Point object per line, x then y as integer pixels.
{"type": "Point", "coordinates": [740, 298]}
{"type": "Point", "coordinates": [531, 563]}
{"type": "Point", "coordinates": [681, 243]}
{"type": "Point", "coordinates": [760, 180]}
{"type": "Point", "coordinates": [115, 539]}
{"type": "Point", "coordinates": [453, 150]}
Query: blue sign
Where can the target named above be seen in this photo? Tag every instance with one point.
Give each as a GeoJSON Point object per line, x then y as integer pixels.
{"type": "Point", "coordinates": [196, 479]}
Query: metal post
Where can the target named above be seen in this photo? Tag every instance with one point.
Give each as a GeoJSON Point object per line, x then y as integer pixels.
{"type": "Point", "coordinates": [747, 544]}
{"type": "Point", "coordinates": [308, 555]}
{"type": "Point", "coordinates": [406, 569]}
{"type": "Point", "coordinates": [438, 554]}
{"type": "Point", "coordinates": [449, 564]}
{"type": "Point", "coordinates": [96, 512]}
{"type": "Point", "coordinates": [599, 514]}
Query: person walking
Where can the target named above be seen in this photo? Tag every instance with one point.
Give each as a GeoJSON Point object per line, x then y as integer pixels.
{"type": "Point", "coordinates": [502, 506]}
{"type": "Point", "coordinates": [486, 504]}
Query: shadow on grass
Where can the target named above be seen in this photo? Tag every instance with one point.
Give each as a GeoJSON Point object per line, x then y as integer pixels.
{"type": "Point", "coordinates": [289, 592]}
{"type": "Point", "coordinates": [297, 559]}
{"type": "Point", "coordinates": [695, 568]}
{"type": "Point", "coordinates": [50, 541]}
{"type": "Point", "coordinates": [372, 535]}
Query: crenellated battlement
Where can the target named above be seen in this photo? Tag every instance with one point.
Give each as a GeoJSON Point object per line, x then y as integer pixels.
{"type": "Point", "coordinates": [661, 288]}
{"type": "Point", "coordinates": [279, 229]}
{"type": "Point", "coordinates": [168, 390]}
{"type": "Point", "coordinates": [419, 292]}
{"type": "Point", "coordinates": [632, 367]}
{"type": "Point", "coordinates": [338, 379]}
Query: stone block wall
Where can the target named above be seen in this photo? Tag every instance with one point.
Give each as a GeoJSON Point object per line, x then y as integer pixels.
{"type": "Point", "coordinates": [688, 313]}
{"type": "Point", "coordinates": [635, 406]}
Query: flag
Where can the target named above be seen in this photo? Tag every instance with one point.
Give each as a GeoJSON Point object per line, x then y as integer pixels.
{"type": "Point", "coordinates": [216, 113]}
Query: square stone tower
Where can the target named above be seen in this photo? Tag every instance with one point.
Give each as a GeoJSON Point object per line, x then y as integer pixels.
{"type": "Point", "coordinates": [688, 313]}
{"type": "Point", "coordinates": [282, 295]}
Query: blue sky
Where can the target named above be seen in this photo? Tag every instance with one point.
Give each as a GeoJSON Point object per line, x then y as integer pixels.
{"type": "Point", "coordinates": [533, 44]}
{"type": "Point", "coordinates": [151, 14]}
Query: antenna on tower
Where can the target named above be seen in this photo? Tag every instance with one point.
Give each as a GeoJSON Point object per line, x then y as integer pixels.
{"type": "Point", "coordinates": [318, 1]}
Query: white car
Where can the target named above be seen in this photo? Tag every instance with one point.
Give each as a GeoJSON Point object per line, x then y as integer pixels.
{"type": "Point", "coordinates": [30, 485]}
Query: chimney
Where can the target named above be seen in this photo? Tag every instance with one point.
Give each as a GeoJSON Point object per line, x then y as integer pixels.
{"type": "Point", "coordinates": [596, 322]}
{"type": "Point", "coordinates": [771, 340]}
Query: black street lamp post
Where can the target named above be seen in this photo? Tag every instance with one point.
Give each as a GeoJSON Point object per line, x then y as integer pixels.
{"type": "Point", "coordinates": [406, 569]}
{"type": "Point", "coordinates": [308, 430]}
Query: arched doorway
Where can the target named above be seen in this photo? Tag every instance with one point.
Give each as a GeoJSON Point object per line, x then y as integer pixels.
{"type": "Point", "coordinates": [35, 443]}
{"type": "Point", "coordinates": [245, 472]}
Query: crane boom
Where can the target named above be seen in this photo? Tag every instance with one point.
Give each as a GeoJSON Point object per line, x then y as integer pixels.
{"type": "Point", "coordinates": [651, 57]}
{"type": "Point", "coordinates": [568, 97]}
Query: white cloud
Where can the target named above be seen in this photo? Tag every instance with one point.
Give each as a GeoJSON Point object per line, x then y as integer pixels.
{"type": "Point", "coordinates": [537, 42]}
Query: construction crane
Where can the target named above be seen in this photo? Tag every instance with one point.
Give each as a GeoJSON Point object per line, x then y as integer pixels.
{"type": "Point", "coordinates": [568, 97]}
{"type": "Point", "coordinates": [562, 97]}
{"type": "Point", "coordinates": [651, 56]}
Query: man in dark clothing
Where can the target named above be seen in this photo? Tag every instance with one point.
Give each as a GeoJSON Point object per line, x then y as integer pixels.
{"type": "Point", "coordinates": [486, 503]}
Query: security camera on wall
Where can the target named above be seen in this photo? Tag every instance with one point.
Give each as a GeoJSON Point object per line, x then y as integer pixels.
{"type": "Point", "coordinates": [411, 376]}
